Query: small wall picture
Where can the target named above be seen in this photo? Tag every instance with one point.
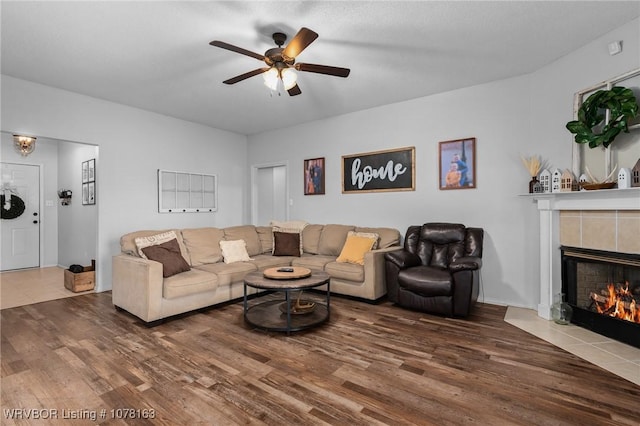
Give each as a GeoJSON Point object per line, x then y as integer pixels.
{"type": "Point", "coordinates": [89, 182]}
{"type": "Point", "coordinates": [457, 164]}
{"type": "Point", "coordinates": [85, 194]}
{"type": "Point", "coordinates": [85, 171]}
{"type": "Point", "coordinates": [314, 176]}
{"type": "Point", "coordinates": [92, 170]}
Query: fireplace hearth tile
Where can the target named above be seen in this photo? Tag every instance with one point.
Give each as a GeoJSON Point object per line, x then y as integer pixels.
{"type": "Point", "coordinates": [588, 336]}
{"type": "Point", "coordinates": [620, 349]}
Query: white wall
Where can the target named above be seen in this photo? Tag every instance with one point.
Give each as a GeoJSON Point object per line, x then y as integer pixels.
{"type": "Point", "coordinates": [133, 144]}
{"type": "Point", "coordinates": [45, 156]}
{"type": "Point", "coordinates": [510, 118]}
{"type": "Point", "coordinates": [77, 223]}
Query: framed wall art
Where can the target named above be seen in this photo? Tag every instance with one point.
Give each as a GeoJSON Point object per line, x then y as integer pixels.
{"type": "Point", "coordinates": [457, 160]}
{"type": "Point", "coordinates": [379, 171]}
{"type": "Point", "coordinates": [314, 176]}
{"type": "Point", "coordinates": [89, 182]}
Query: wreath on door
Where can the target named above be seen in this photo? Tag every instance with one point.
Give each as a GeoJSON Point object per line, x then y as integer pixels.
{"type": "Point", "coordinates": [15, 209]}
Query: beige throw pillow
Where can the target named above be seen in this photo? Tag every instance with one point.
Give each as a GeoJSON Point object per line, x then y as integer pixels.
{"type": "Point", "coordinates": [153, 240]}
{"type": "Point", "coordinates": [234, 251]}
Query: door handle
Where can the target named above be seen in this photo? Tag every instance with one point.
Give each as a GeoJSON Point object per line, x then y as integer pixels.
{"type": "Point", "coordinates": [35, 221]}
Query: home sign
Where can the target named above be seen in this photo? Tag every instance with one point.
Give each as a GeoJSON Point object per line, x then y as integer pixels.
{"type": "Point", "coordinates": [389, 170]}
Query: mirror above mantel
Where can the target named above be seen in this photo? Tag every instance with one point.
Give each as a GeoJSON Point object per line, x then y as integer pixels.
{"type": "Point", "coordinates": [625, 150]}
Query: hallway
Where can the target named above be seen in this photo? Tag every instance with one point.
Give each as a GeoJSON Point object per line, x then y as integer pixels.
{"type": "Point", "coordinates": [25, 287]}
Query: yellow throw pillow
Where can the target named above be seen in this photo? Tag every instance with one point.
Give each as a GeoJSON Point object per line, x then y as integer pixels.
{"type": "Point", "coordinates": [354, 249]}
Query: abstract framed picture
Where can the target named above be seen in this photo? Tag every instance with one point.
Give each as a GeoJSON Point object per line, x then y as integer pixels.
{"type": "Point", "coordinates": [314, 176]}
{"type": "Point", "coordinates": [457, 160]}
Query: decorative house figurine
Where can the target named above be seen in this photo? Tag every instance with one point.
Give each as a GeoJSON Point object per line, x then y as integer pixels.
{"type": "Point", "coordinates": [624, 178]}
{"type": "Point", "coordinates": [537, 188]}
{"type": "Point", "coordinates": [635, 175]}
{"type": "Point", "coordinates": [545, 180]}
{"type": "Point", "coordinates": [566, 181]}
{"type": "Point", "coordinates": [556, 178]}
{"type": "Point", "coordinates": [582, 180]}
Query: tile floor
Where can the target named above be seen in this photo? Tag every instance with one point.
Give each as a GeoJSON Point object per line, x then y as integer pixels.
{"type": "Point", "coordinates": [28, 286]}
{"type": "Point", "coordinates": [619, 358]}
{"type": "Point", "coordinates": [18, 288]}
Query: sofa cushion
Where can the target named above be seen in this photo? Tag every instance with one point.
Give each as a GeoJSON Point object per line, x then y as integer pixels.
{"type": "Point", "coordinates": [311, 238]}
{"type": "Point", "coordinates": [229, 273]}
{"type": "Point", "coordinates": [234, 251]}
{"type": "Point", "coordinates": [264, 261]}
{"type": "Point", "coordinates": [355, 247]}
{"type": "Point", "coordinates": [128, 244]}
{"type": "Point", "coordinates": [314, 262]}
{"type": "Point", "coordinates": [389, 237]}
{"type": "Point", "coordinates": [248, 233]}
{"type": "Point", "coordinates": [265, 234]}
{"type": "Point", "coordinates": [332, 239]}
{"type": "Point", "coordinates": [286, 244]}
{"type": "Point", "coordinates": [190, 282]}
{"type": "Point", "coordinates": [345, 271]}
{"type": "Point", "coordinates": [169, 255]}
{"type": "Point", "coordinates": [203, 245]}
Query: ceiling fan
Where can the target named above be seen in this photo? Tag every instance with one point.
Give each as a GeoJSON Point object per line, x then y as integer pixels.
{"type": "Point", "coordinates": [282, 61]}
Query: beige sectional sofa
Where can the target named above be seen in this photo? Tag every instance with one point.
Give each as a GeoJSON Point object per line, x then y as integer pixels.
{"type": "Point", "coordinates": [139, 286]}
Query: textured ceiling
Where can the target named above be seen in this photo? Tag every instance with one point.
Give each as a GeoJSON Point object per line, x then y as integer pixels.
{"type": "Point", "coordinates": [156, 56]}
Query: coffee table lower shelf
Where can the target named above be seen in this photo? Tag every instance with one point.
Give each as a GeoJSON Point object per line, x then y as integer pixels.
{"type": "Point", "coordinates": [268, 316]}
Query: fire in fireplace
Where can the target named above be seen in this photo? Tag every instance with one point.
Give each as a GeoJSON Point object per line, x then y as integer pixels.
{"type": "Point", "coordinates": [603, 288]}
{"type": "Point", "coordinates": [618, 302]}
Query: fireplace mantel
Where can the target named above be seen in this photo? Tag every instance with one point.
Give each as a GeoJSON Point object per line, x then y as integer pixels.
{"type": "Point", "coordinates": [549, 207]}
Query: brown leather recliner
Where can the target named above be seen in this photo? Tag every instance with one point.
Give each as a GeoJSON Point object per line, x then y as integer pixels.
{"type": "Point", "coordinates": [438, 271]}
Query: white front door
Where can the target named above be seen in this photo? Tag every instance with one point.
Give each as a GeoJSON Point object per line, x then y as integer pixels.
{"type": "Point", "coordinates": [20, 229]}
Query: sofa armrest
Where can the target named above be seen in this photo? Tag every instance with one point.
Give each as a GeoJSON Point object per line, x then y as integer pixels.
{"type": "Point", "coordinates": [402, 259]}
{"type": "Point", "coordinates": [374, 273]}
{"type": "Point", "coordinates": [470, 263]}
{"type": "Point", "coordinates": [137, 286]}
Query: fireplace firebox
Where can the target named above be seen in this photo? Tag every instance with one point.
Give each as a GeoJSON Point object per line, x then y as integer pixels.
{"type": "Point", "coordinates": [603, 288]}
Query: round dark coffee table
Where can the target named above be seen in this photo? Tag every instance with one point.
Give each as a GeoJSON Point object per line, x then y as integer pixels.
{"type": "Point", "coordinates": [280, 314]}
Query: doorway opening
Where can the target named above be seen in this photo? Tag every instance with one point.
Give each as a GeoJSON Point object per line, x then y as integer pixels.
{"type": "Point", "coordinates": [269, 193]}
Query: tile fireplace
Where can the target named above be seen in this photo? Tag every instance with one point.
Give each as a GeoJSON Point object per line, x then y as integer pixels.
{"type": "Point", "coordinates": [603, 288]}
{"type": "Point", "coordinates": [605, 220]}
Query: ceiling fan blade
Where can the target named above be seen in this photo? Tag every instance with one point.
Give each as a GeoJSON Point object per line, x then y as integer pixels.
{"type": "Point", "coordinates": [246, 75]}
{"type": "Point", "coordinates": [323, 69]}
{"type": "Point", "coordinates": [295, 90]}
{"type": "Point", "coordinates": [236, 49]}
{"type": "Point", "coordinates": [300, 42]}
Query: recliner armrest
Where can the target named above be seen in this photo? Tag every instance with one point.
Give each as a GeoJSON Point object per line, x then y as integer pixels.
{"type": "Point", "coordinates": [402, 259]}
{"type": "Point", "coordinates": [470, 263]}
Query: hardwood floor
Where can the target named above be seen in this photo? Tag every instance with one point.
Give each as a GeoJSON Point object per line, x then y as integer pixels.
{"type": "Point", "coordinates": [371, 364]}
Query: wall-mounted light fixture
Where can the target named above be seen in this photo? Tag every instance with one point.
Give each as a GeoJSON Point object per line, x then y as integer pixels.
{"type": "Point", "coordinates": [25, 145]}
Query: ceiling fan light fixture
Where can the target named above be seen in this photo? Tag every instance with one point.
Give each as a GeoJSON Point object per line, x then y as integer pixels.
{"type": "Point", "coordinates": [271, 79]}
{"type": "Point", "coordinates": [289, 78]}
{"type": "Point", "coordinates": [25, 145]}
